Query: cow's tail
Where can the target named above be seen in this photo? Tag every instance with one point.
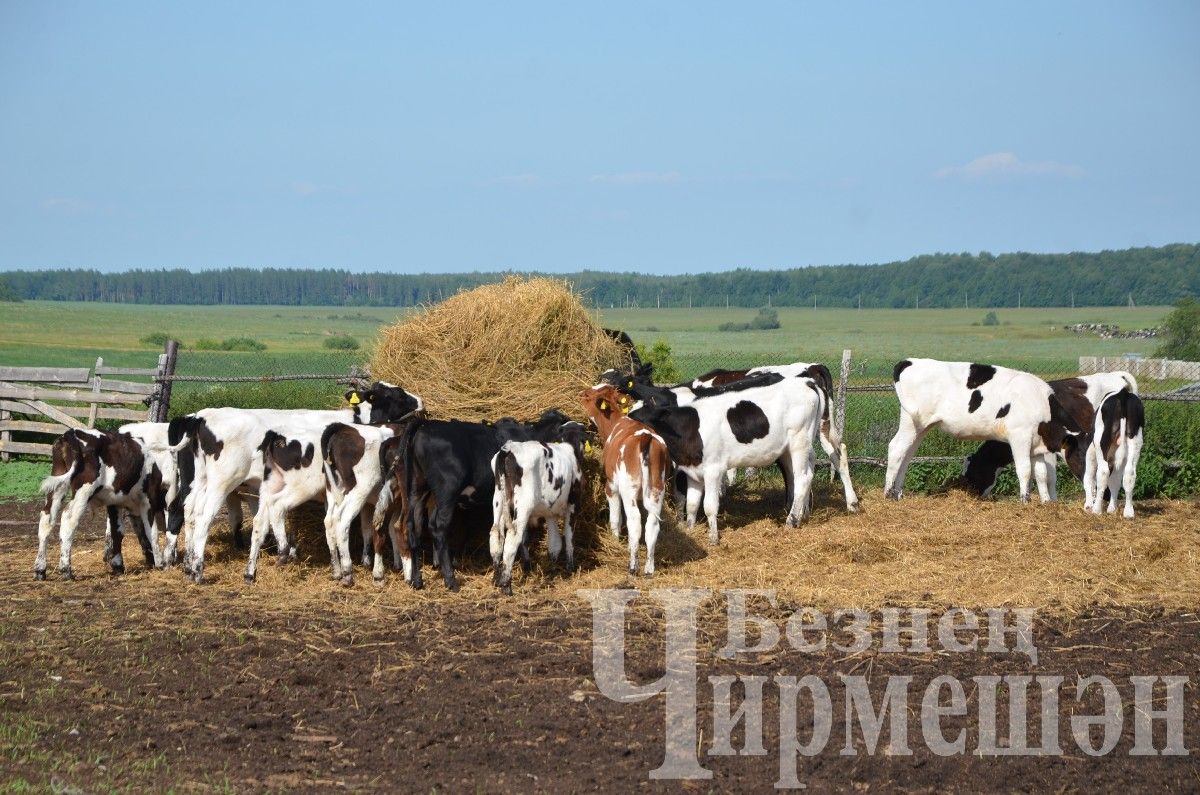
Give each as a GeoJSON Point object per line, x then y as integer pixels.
{"type": "Point", "coordinates": [1130, 381]}
{"type": "Point", "coordinates": [332, 476]}
{"type": "Point", "coordinates": [67, 445]}
{"type": "Point", "coordinates": [181, 431]}
{"type": "Point", "coordinates": [56, 483]}
{"type": "Point", "coordinates": [506, 471]}
{"type": "Point", "coordinates": [648, 481]}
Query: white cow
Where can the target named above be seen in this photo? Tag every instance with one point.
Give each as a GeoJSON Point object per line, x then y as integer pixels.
{"type": "Point", "coordinates": [1112, 457]}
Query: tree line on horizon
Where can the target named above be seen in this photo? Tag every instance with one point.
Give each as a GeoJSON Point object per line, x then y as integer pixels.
{"type": "Point", "coordinates": [1152, 275]}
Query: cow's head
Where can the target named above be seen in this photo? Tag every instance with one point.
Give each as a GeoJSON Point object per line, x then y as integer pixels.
{"type": "Point", "coordinates": [626, 381]}
{"type": "Point", "coordinates": [982, 468]}
{"type": "Point", "coordinates": [1074, 450]}
{"type": "Point", "coordinates": [382, 402]}
{"type": "Point", "coordinates": [604, 400]}
{"type": "Point", "coordinates": [578, 436]}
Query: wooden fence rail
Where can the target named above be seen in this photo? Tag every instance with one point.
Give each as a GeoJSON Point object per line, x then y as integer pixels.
{"type": "Point", "coordinates": [46, 401]}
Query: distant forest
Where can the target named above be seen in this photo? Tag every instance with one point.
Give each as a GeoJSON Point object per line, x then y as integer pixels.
{"type": "Point", "coordinates": [1160, 275]}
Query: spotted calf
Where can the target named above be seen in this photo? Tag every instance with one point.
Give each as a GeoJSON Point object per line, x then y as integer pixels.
{"type": "Point", "coordinates": [1112, 458]}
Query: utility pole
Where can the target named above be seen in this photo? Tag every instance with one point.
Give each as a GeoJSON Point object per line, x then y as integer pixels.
{"type": "Point", "coordinates": [860, 302]}
{"type": "Point", "coordinates": [1072, 299]}
{"type": "Point", "coordinates": [1018, 299]}
{"type": "Point", "coordinates": [1131, 304]}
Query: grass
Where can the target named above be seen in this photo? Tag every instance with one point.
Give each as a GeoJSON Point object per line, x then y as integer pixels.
{"type": "Point", "coordinates": [19, 480]}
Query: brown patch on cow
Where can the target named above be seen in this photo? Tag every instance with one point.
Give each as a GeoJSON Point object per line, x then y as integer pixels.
{"type": "Point", "coordinates": [721, 377]}
{"type": "Point", "coordinates": [123, 454]}
{"type": "Point", "coordinates": [343, 447]}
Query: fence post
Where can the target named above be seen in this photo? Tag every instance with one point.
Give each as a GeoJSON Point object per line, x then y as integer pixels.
{"type": "Point", "coordinates": [5, 436]}
{"type": "Point", "coordinates": [166, 370]}
{"type": "Point", "coordinates": [94, 409]}
{"type": "Point", "coordinates": [840, 400]}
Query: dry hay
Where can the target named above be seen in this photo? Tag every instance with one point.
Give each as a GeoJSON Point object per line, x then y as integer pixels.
{"type": "Point", "coordinates": [934, 552]}
{"type": "Point", "coordinates": [511, 349]}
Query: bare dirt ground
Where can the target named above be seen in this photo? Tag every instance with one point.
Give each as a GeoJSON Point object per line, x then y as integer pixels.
{"type": "Point", "coordinates": [146, 682]}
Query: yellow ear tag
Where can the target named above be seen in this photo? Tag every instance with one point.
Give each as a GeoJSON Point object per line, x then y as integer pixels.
{"type": "Point", "coordinates": [354, 399]}
{"type": "Point", "coordinates": [587, 447]}
{"type": "Point", "coordinates": [631, 385]}
{"type": "Point", "coordinates": [604, 405]}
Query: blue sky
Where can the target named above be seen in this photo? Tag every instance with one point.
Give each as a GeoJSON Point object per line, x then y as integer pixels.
{"type": "Point", "coordinates": [658, 137]}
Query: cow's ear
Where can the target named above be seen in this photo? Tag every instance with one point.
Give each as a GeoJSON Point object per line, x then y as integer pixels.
{"type": "Point", "coordinates": [353, 398]}
{"type": "Point", "coordinates": [603, 404]}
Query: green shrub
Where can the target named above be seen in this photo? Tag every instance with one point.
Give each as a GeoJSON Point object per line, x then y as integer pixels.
{"type": "Point", "coordinates": [990, 319]}
{"type": "Point", "coordinates": [765, 320]}
{"type": "Point", "coordinates": [7, 293]}
{"type": "Point", "coordinates": [230, 344]}
{"type": "Point", "coordinates": [660, 356]}
{"type": "Point", "coordinates": [158, 339]}
{"type": "Point", "coordinates": [341, 342]}
{"type": "Point", "coordinates": [1181, 332]}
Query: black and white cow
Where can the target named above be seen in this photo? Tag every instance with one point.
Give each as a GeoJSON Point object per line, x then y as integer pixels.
{"type": "Point", "coordinates": [352, 460]}
{"type": "Point", "coordinates": [536, 480]}
{"type": "Point", "coordinates": [1112, 457]}
{"type": "Point", "coordinates": [639, 386]}
{"type": "Point", "coordinates": [448, 473]}
{"type": "Point", "coordinates": [108, 468]}
{"type": "Point", "coordinates": [982, 401]}
{"type": "Point", "coordinates": [226, 454]}
{"type": "Point", "coordinates": [756, 421]}
{"type": "Point", "coordinates": [1080, 396]}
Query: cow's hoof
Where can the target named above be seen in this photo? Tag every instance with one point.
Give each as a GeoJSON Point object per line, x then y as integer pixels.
{"type": "Point", "coordinates": [505, 589]}
{"type": "Point", "coordinates": [852, 507]}
{"type": "Point", "coordinates": [39, 574]}
{"type": "Point", "coordinates": [118, 569]}
{"type": "Point", "coordinates": [416, 585]}
{"type": "Point", "coordinates": [453, 586]}
{"type": "Point", "coordinates": [648, 573]}
{"type": "Point", "coordinates": [282, 559]}
{"type": "Point", "coordinates": [66, 572]}
{"type": "Point", "coordinates": [378, 581]}
{"type": "Point", "coordinates": [633, 571]}
{"type": "Point", "coordinates": [347, 581]}
{"type": "Point", "coordinates": [198, 577]}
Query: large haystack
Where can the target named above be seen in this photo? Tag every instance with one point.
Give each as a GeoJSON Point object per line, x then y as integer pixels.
{"type": "Point", "coordinates": [511, 349]}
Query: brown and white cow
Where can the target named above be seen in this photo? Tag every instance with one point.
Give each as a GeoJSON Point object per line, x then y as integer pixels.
{"type": "Point", "coordinates": [637, 469]}
{"type": "Point", "coordinates": [108, 468]}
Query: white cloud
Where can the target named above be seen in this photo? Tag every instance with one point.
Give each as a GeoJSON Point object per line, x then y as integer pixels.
{"type": "Point", "coordinates": [638, 178]}
{"type": "Point", "coordinates": [1007, 164]}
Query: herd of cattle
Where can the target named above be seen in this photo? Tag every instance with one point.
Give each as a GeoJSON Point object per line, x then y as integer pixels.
{"type": "Point", "coordinates": [414, 479]}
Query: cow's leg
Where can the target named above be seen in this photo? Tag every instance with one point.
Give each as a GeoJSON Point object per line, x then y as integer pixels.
{"type": "Point", "coordinates": [633, 522]}
{"type": "Point", "coordinates": [113, 514]}
{"type": "Point", "coordinates": [803, 466]}
{"type": "Point", "coordinates": [233, 510]}
{"type": "Point", "coordinates": [1114, 478]}
{"type": "Point", "coordinates": [116, 535]}
{"type": "Point", "coordinates": [440, 522]}
{"type": "Point", "coordinates": [198, 538]}
{"type": "Point", "coordinates": [901, 449]}
{"type": "Point", "coordinates": [614, 508]}
{"type": "Point", "coordinates": [730, 476]}
{"type": "Point", "coordinates": [71, 518]}
{"type": "Point", "coordinates": [1041, 477]}
{"type": "Point", "coordinates": [789, 477]}
{"type": "Point", "coordinates": [1022, 463]}
{"type": "Point", "coordinates": [652, 501]}
{"type": "Point", "coordinates": [712, 503]}
{"type": "Point", "coordinates": [366, 516]}
{"type": "Point", "coordinates": [46, 522]}
{"type": "Point", "coordinates": [343, 541]}
{"type": "Point", "coordinates": [514, 536]}
{"type": "Point", "coordinates": [839, 461]}
{"type": "Point", "coordinates": [554, 540]}
{"type": "Point", "coordinates": [1052, 475]}
{"type": "Point", "coordinates": [147, 536]}
{"type": "Point", "coordinates": [258, 534]}
{"type": "Point", "coordinates": [1089, 478]}
{"type": "Point", "coordinates": [695, 492]}
{"type": "Point", "coordinates": [416, 524]}
{"type": "Point", "coordinates": [1133, 454]}
{"type": "Point", "coordinates": [331, 536]}
{"type": "Point", "coordinates": [568, 532]}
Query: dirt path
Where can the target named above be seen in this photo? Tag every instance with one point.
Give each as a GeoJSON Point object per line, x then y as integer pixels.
{"type": "Point", "coordinates": [144, 682]}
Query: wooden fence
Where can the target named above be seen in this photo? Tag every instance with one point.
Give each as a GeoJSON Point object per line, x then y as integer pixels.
{"type": "Point", "coordinates": [50, 400]}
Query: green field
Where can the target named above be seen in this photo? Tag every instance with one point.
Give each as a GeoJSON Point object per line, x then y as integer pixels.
{"type": "Point", "coordinates": [75, 334]}
{"type": "Point", "coordinates": [60, 333]}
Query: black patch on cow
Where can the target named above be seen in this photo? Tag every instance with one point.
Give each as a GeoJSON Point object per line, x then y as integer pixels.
{"type": "Point", "coordinates": [899, 368]}
{"type": "Point", "coordinates": [558, 483]}
{"type": "Point", "coordinates": [1003, 412]}
{"type": "Point", "coordinates": [1060, 425]}
{"type": "Point", "coordinates": [748, 422]}
{"type": "Point", "coordinates": [1120, 405]}
{"type": "Point", "coordinates": [388, 403]}
{"type": "Point", "coordinates": [506, 465]}
{"type": "Point", "coordinates": [741, 385]}
{"type": "Point", "coordinates": [975, 402]}
{"type": "Point", "coordinates": [280, 453]}
{"type": "Point", "coordinates": [121, 452]}
{"type": "Point", "coordinates": [979, 375]}
{"type": "Point", "coordinates": [209, 443]}
{"type": "Point", "coordinates": [679, 427]}
{"type": "Point", "coordinates": [984, 465]}
{"type": "Point", "coordinates": [342, 447]}
{"type": "Point", "coordinates": [820, 373]}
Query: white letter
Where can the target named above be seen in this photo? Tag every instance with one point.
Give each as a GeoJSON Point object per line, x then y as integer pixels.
{"type": "Point", "coordinates": [858, 703]}
{"type": "Point", "coordinates": [750, 711]}
{"type": "Point", "coordinates": [768, 633]}
{"type": "Point", "coordinates": [1023, 630]}
{"type": "Point", "coordinates": [932, 712]}
{"type": "Point", "coordinates": [797, 625]}
{"type": "Point", "coordinates": [1144, 714]}
{"type": "Point", "coordinates": [948, 633]}
{"type": "Point", "coordinates": [858, 628]}
{"type": "Point", "coordinates": [917, 629]}
{"type": "Point", "coordinates": [789, 689]}
{"type": "Point", "coordinates": [1111, 720]}
{"type": "Point", "coordinates": [678, 681]}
